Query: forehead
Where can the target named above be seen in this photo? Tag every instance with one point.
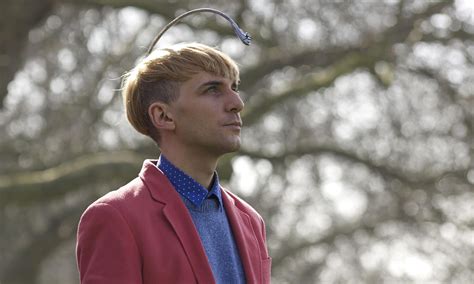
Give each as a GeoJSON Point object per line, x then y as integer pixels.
{"type": "Point", "coordinates": [202, 77]}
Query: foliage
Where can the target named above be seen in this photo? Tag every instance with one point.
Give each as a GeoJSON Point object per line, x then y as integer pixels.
{"type": "Point", "coordinates": [358, 147]}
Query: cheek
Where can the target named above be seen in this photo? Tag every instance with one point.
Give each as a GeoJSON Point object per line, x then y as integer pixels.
{"type": "Point", "coordinates": [195, 121]}
{"type": "Point", "coordinates": [201, 113]}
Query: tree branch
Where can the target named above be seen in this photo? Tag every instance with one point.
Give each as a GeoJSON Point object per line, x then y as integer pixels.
{"type": "Point", "coordinates": [359, 57]}
{"type": "Point", "coordinates": [54, 182]}
{"type": "Point", "coordinates": [302, 88]}
{"type": "Point", "coordinates": [16, 22]}
{"type": "Point", "coordinates": [383, 170]}
{"type": "Point", "coordinates": [276, 60]}
{"type": "Point", "coordinates": [290, 250]}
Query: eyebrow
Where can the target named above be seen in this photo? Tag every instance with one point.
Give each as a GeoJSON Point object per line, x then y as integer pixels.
{"type": "Point", "coordinates": [214, 83]}
{"type": "Point", "coordinates": [210, 83]}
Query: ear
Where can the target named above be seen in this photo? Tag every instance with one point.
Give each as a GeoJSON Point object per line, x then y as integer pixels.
{"type": "Point", "coordinates": [160, 116]}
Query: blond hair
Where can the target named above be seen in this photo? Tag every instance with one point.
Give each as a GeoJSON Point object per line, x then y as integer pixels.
{"type": "Point", "coordinates": [157, 78]}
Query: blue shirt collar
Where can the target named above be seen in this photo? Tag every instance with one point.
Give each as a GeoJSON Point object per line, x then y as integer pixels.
{"type": "Point", "coordinates": [186, 186]}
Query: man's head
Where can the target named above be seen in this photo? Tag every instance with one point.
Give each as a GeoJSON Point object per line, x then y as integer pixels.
{"type": "Point", "coordinates": [159, 78]}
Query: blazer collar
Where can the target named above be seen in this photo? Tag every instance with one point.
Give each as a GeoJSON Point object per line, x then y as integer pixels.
{"type": "Point", "coordinates": [175, 211]}
{"type": "Point", "coordinates": [244, 237]}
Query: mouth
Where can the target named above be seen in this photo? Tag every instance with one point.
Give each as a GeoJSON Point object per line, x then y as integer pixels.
{"type": "Point", "coordinates": [234, 125]}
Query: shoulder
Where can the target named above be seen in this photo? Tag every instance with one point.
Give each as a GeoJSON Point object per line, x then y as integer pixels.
{"type": "Point", "coordinates": [134, 190]}
{"type": "Point", "coordinates": [123, 201]}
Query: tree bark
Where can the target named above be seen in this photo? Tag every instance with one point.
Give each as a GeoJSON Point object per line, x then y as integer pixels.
{"type": "Point", "coordinates": [16, 20]}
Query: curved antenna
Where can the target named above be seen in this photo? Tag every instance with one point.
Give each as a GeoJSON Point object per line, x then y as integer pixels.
{"type": "Point", "coordinates": [243, 36]}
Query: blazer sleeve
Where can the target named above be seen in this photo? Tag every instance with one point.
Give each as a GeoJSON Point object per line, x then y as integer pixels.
{"type": "Point", "coordinates": [106, 249]}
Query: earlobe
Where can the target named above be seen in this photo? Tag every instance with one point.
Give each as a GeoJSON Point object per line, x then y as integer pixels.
{"type": "Point", "coordinates": [160, 117]}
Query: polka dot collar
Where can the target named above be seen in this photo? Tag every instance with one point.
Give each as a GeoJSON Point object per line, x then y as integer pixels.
{"type": "Point", "coordinates": [187, 186]}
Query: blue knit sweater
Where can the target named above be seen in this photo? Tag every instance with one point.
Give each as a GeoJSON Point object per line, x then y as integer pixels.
{"type": "Point", "coordinates": [210, 219]}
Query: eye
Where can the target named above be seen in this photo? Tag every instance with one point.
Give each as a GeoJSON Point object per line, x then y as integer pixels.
{"type": "Point", "coordinates": [212, 89]}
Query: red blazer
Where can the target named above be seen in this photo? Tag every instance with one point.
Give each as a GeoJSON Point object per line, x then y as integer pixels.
{"type": "Point", "coordinates": [143, 233]}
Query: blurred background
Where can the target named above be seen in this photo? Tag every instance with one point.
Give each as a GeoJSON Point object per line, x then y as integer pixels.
{"type": "Point", "coordinates": [358, 148]}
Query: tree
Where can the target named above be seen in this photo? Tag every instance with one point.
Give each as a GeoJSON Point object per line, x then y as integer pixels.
{"type": "Point", "coordinates": [358, 147]}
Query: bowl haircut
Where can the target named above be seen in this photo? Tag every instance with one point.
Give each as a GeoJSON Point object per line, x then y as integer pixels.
{"type": "Point", "coordinates": [157, 77]}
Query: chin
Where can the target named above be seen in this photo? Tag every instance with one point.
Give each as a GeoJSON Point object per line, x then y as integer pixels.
{"type": "Point", "coordinates": [225, 144]}
{"type": "Point", "coordinates": [231, 146]}
{"type": "Point", "coordinates": [236, 148]}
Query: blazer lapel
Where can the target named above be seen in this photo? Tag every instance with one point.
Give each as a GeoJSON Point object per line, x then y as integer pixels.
{"type": "Point", "coordinates": [245, 238]}
{"type": "Point", "coordinates": [178, 216]}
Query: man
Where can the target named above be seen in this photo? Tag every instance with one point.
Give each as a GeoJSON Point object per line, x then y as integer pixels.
{"type": "Point", "coordinates": [174, 223]}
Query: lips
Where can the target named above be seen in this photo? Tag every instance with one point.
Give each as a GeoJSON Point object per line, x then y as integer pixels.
{"type": "Point", "coordinates": [234, 123]}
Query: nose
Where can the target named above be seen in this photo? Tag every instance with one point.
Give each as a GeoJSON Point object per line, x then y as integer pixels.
{"type": "Point", "coordinates": [234, 103]}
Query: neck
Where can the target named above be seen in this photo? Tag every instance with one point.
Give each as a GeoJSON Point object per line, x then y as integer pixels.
{"type": "Point", "coordinates": [199, 166]}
